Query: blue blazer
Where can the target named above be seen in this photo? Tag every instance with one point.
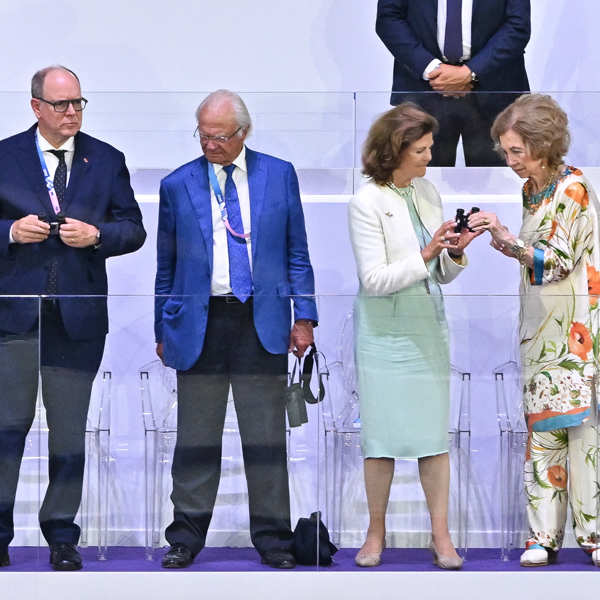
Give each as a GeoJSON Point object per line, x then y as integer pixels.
{"type": "Point", "coordinates": [280, 262]}
{"type": "Point", "coordinates": [98, 193]}
{"type": "Point", "coordinates": [500, 30]}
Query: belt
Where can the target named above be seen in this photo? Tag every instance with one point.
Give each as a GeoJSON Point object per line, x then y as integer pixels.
{"type": "Point", "coordinates": [229, 299]}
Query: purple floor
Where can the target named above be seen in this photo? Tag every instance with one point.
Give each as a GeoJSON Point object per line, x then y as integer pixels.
{"type": "Point", "coordinates": [28, 559]}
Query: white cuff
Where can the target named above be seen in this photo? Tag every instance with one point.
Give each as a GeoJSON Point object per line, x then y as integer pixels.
{"type": "Point", "coordinates": [434, 64]}
{"type": "Point", "coordinates": [11, 239]}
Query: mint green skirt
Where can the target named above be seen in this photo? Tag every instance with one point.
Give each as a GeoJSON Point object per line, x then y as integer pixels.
{"type": "Point", "coordinates": [403, 370]}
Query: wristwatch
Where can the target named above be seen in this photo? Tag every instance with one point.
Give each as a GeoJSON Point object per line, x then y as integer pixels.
{"type": "Point", "coordinates": [98, 241]}
{"type": "Point", "coordinates": [474, 78]}
{"type": "Point", "coordinates": [519, 249]}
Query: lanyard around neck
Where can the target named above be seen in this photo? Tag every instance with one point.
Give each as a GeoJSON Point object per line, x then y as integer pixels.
{"type": "Point", "coordinates": [214, 183]}
{"type": "Point", "coordinates": [49, 182]}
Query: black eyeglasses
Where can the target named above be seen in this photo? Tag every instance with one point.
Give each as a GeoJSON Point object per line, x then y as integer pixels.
{"type": "Point", "coordinates": [62, 106]}
{"type": "Point", "coordinates": [220, 139]}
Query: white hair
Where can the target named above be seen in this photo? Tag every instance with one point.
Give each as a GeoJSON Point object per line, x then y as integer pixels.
{"type": "Point", "coordinates": [242, 116]}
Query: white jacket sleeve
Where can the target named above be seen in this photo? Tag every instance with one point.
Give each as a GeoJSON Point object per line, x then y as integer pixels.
{"type": "Point", "coordinates": [377, 277]}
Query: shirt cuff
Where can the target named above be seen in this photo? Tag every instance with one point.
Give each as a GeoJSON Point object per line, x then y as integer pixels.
{"type": "Point", "coordinates": [538, 266]}
{"type": "Point", "coordinates": [11, 239]}
{"type": "Point", "coordinates": [434, 64]}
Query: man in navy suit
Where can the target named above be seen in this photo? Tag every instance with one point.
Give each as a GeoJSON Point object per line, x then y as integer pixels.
{"type": "Point", "coordinates": [449, 49]}
{"type": "Point", "coordinates": [66, 205]}
{"type": "Point", "coordinates": [232, 251]}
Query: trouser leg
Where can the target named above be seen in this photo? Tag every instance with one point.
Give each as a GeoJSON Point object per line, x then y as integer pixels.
{"type": "Point", "coordinates": [68, 369]}
{"type": "Point", "coordinates": [546, 478]}
{"type": "Point", "coordinates": [19, 368]}
{"type": "Point", "coordinates": [584, 487]}
{"type": "Point", "coordinates": [258, 384]}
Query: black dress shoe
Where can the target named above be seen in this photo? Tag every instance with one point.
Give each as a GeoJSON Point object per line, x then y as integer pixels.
{"type": "Point", "coordinates": [279, 559]}
{"type": "Point", "coordinates": [4, 558]}
{"type": "Point", "coordinates": [64, 557]}
{"type": "Point", "coordinates": [178, 556]}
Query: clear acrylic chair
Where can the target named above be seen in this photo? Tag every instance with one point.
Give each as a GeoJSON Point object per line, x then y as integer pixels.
{"type": "Point", "coordinates": [513, 441]}
{"type": "Point", "coordinates": [158, 388]}
{"type": "Point", "coordinates": [343, 458]}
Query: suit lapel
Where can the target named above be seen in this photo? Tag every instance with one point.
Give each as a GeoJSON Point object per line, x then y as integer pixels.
{"type": "Point", "coordinates": [30, 164]}
{"type": "Point", "coordinates": [197, 186]}
{"type": "Point", "coordinates": [83, 161]}
{"type": "Point", "coordinates": [257, 179]}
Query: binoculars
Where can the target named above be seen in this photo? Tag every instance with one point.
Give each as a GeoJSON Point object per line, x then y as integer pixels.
{"type": "Point", "coordinates": [462, 219]}
{"type": "Point", "coordinates": [54, 221]}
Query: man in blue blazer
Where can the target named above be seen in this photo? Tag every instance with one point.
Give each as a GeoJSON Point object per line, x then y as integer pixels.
{"type": "Point", "coordinates": [448, 49]}
{"type": "Point", "coordinates": [232, 251]}
{"type": "Point", "coordinates": [66, 205]}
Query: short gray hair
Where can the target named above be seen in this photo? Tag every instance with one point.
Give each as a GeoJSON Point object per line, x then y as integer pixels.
{"type": "Point", "coordinates": [242, 116]}
{"type": "Point", "coordinates": [37, 81]}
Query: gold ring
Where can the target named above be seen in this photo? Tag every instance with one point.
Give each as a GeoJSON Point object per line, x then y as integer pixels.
{"type": "Point", "coordinates": [486, 222]}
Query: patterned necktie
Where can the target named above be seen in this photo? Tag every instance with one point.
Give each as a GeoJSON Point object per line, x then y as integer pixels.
{"type": "Point", "coordinates": [60, 186]}
{"type": "Point", "coordinates": [453, 46]}
{"type": "Point", "coordinates": [239, 263]}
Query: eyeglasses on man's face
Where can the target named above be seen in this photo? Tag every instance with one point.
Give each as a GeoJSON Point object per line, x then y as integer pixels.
{"type": "Point", "coordinates": [219, 139]}
{"type": "Point", "coordinates": [62, 106]}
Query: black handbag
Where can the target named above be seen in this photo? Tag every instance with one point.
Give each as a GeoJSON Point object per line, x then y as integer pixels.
{"type": "Point", "coordinates": [310, 547]}
{"type": "Point", "coordinates": [298, 393]}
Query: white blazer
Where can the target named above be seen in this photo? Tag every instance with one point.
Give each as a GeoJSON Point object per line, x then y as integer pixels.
{"type": "Point", "coordinates": [386, 248]}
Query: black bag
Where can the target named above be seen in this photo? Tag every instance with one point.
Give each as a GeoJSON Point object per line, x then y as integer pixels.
{"type": "Point", "coordinates": [304, 542]}
{"type": "Point", "coordinates": [298, 393]}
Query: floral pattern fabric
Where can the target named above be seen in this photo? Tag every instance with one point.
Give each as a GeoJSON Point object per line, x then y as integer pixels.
{"type": "Point", "coordinates": [549, 487]}
{"type": "Point", "coordinates": [559, 324]}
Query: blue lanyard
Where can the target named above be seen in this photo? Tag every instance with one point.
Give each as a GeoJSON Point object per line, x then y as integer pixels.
{"type": "Point", "coordinates": [214, 183]}
{"type": "Point", "coordinates": [49, 182]}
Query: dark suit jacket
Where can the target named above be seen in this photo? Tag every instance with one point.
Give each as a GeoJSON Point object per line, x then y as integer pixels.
{"type": "Point", "coordinates": [280, 262]}
{"type": "Point", "coordinates": [98, 193]}
{"type": "Point", "coordinates": [500, 30]}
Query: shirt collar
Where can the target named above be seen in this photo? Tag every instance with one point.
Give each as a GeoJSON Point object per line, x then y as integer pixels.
{"type": "Point", "coordinates": [45, 145]}
{"type": "Point", "coordinates": [239, 162]}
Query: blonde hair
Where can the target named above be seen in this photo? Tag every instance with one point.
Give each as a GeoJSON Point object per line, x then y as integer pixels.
{"type": "Point", "coordinates": [542, 124]}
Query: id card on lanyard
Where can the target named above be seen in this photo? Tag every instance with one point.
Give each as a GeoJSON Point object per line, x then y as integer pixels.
{"type": "Point", "coordinates": [214, 183]}
{"type": "Point", "coordinates": [47, 179]}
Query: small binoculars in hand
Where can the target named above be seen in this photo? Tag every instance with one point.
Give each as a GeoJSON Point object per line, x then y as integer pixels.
{"type": "Point", "coordinates": [462, 220]}
{"type": "Point", "coordinates": [55, 221]}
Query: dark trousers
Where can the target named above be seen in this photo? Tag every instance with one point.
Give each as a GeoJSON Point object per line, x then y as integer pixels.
{"type": "Point", "coordinates": [232, 355]}
{"type": "Point", "coordinates": [471, 117]}
{"type": "Point", "coordinates": [67, 370]}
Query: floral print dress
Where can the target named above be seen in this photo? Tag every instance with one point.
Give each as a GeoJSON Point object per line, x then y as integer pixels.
{"type": "Point", "coordinates": [560, 352]}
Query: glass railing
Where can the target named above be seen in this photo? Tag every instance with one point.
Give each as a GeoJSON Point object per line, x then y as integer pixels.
{"type": "Point", "coordinates": [458, 375]}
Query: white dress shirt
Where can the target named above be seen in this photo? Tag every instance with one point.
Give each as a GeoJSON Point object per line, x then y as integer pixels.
{"type": "Point", "coordinates": [52, 161]}
{"type": "Point", "coordinates": [466, 17]}
{"type": "Point", "coordinates": [220, 283]}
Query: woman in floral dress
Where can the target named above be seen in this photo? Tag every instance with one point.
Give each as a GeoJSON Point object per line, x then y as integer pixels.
{"type": "Point", "coordinates": [559, 251]}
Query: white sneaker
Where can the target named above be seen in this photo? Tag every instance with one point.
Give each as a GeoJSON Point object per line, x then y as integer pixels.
{"type": "Point", "coordinates": [534, 557]}
{"type": "Point", "coordinates": [596, 557]}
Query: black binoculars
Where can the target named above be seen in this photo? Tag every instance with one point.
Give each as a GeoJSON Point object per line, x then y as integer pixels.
{"type": "Point", "coordinates": [462, 220]}
{"type": "Point", "coordinates": [54, 221]}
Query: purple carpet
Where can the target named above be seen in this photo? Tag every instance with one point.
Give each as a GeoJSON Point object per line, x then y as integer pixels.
{"type": "Point", "coordinates": [28, 559]}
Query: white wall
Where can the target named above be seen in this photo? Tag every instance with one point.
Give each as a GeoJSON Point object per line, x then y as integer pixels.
{"type": "Point", "coordinates": [253, 45]}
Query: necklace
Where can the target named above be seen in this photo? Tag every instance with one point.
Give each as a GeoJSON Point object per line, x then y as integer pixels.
{"type": "Point", "coordinates": [533, 201]}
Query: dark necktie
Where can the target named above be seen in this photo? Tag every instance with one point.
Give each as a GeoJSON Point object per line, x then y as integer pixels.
{"type": "Point", "coordinates": [453, 46]}
{"type": "Point", "coordinates": [60, 186]}
{"type": "Point", "coordinates": [239, 263]}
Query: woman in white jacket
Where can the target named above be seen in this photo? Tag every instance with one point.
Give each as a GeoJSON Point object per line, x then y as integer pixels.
{"type": "Point", "coordinates": [403, 252]}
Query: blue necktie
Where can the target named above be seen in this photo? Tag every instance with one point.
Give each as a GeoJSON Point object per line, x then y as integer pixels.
{"type": "Point", "coordinates": [239, 264]}
{"type": "Point", "coordinates": [453, 46]}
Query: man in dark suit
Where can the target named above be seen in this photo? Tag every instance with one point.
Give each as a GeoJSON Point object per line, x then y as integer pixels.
{"type": "Point", "coordinates": [448, 49]}
{"type": "Point", "coordinates": [231, 252]}
{"type": "Point", "coordinates": [66, 205]}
